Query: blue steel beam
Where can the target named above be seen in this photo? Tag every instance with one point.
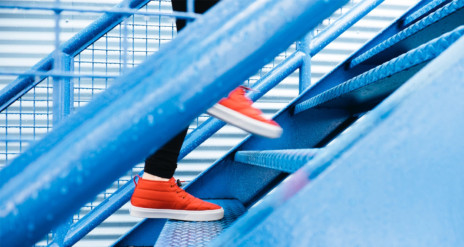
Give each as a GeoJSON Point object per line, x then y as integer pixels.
{"type": "Point", "coordinates": [406, 191]}
{"type": "Point", "coordinates": [73, 46]}
{"type": "Point", "coordinates": [84, 153]}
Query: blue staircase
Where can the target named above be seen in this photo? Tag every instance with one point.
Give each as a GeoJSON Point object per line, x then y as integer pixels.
{"type": "Point", "coordinates": [370, 155]}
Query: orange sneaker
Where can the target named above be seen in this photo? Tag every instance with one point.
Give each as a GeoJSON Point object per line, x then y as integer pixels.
{"type": "Point", "coordinates": [237, 110]}
{"type": "Point", "coordinates": [160, 199]}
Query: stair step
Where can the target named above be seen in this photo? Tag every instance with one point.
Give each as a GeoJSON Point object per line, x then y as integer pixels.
{"type": "Point", "coordinates": [422, 11]}
{"type": "Point", "coordinates": [378, 82]}
{"type": "Point", "coordinates": [443, 20]}
{"type": "Point", "coordinates": [185, 233]}
{"type": "Point", "coordinates": [289, 160]}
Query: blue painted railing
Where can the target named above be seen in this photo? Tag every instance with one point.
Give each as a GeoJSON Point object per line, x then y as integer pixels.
{"type": "Point", "coordinates": [79, 42]}
{"type": "Point", "coordinates": [198, 135]}
{"type": "Point", "coordinates": [143, 101]}
{"type": "Point", "coordinates": [212, 125]}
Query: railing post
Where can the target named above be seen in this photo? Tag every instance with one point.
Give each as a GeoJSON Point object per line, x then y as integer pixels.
{"type": "Point", "coordinates": [303, 45]}
{"type": "Point", "coordinates": [62, 106]}
{"type": "Point", "coordinates": [62, 89]}
{"type": "Point", "coordinates": [62, 102]}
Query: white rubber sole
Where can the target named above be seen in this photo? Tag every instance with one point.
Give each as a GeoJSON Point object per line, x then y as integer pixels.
{"type": "Point", "coordinates": [185, 215]}
{"type": "Point", "coordinates": [244, 122]}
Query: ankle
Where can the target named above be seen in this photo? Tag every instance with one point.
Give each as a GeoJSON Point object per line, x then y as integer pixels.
{"type": "Point", "coordinates": [147, 176]}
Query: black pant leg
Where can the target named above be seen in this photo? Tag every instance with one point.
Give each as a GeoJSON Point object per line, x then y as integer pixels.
{"type": "Point", "coordinates": [163, 163]}
{"type": "Point", "coordinates": [200, 7]}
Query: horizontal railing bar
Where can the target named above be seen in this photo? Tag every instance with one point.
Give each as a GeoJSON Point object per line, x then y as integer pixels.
{"type": "Point", "coordinates": [178, 14]}
{"type": "Point", "coordinates": [58, 74]}
{"type": "Point", "coordinates": [72, 47]}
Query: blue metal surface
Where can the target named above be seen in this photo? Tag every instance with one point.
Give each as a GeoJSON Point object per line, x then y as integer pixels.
{"type": "Point", "coordinates": [76, 44]}
{"type": "Point", "coordinates": [183, 234]}
{"type": "Point", "coordinates": [193, 140]}
{"type": "Point", "coordinates": [423, 53]}
{"type": "Point", "coordinates": [123, 9]}
{"type": "Point", "coordinates": [212, 125]}
{"type": "Point", "coordinates": [423, 11]}
{"type": "Point", "coordinates": [105, 209]}
{"type": "Point", "coordinates": [241, 180]}
{"type": "Point", "coordinates": [62, 105]}
{"type": "Point", "coordinates": [325, 37]}
{"type": "Point", "coordinates": [140, 237]}
{"type": "Point", "coordinates": [289, 160]}
{"type": "Point", "coordinates": [420, 25]}
{"type": "Point", "coordinates": [303, 46]}
{"type": "Point", "coordinates": [407, 191]}
{"type": "Point", "coordinates": [126, 115]}
{"type": "Point", "coordinates": [62, 91]}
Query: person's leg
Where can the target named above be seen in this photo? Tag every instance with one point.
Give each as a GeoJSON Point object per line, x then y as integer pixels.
{"type": "Point", "coordinates": [163, 163]}
{"type": "Point", "coordinates": [200, 7]}
{"type": "Point", "coordinates": [157, 194]}
{"type": "Point", "coordinates": [236, 109]}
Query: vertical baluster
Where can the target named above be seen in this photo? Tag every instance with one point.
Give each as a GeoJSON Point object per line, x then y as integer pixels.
{"type": "Point", "coordinates": [62, 102]}
{"type": "Point", "coordinates": [303, 45]}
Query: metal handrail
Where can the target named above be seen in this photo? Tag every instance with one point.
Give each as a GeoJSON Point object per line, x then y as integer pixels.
{"type": "Point", "coordinates": [212, 125]}
{"type": "Point", "coordinates": [119, 118]}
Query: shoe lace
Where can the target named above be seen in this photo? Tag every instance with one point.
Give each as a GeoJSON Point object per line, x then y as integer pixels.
{"type": "Point", "coordinates": [180, 191]}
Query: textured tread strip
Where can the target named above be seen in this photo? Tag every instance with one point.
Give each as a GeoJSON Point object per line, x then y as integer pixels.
{"type": "Point", "coordinates": [422, 11]}
{"type": "Point", "coordinates": [284, 160]}
{"type": "Point", "coordinates": [185, 233]}
{"type": "Point", "coordinates": [421, 54]}
{"type": "Point", "coordinates": [420, 25]}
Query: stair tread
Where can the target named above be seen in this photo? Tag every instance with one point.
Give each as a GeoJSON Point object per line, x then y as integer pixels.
{"type": "Point", "coordinates": [288, 160]}
{"type": "Point", "coordinates": [434, 17]}
{"type": "Point", "coordinates": [382, 74]}
{"type": "Point", "coordinates": [184, 233]}
{"type": "Point", "coordinates": [422, 11]}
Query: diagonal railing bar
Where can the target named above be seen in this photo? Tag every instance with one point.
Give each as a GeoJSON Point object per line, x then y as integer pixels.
{"type": "Point", "coordinates": [347, 20]}
{"type": "Point", "coordinates": [212, 125]}
{"type": "Point", "coordinates": [14, 90]}
{"type": "Point", "coordinates": [216, 53]}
